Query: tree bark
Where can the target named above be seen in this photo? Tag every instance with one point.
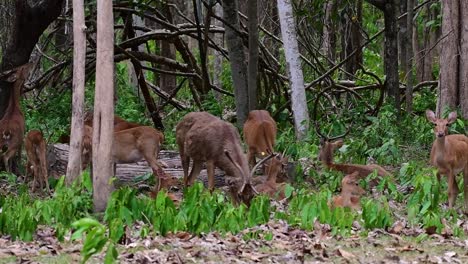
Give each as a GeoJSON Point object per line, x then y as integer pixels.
{"type": "Point", "coordinates": [103, 125]}
{"type": "Point", "coordinates": [449, 57]}
{"type": "Point", "coordinates": [463, 78]}
{"type": "Point", "coordinates": [291, 50]}
{"type": "Point", "coordinates": [218, 58]}
{"type": "Point", "coordinates": [409, 57]}
{"type": "Point", "coordinates": [167, 82]}
{"type": "Point", "coordinates": [237, 60]}
{"type": "Point", "coordinates": [328, 31]}
{"type": "Point", "coordinates": [79, 63]}
{"type": "Point", "coordinates": [253, 54]}
{"type": "Point", "coordinates": [30, 23]}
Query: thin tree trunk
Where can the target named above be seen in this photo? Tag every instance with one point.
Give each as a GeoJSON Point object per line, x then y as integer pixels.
{"type": "Point", "coordinates": [167, 82]}
{"type": "Point", "coordinates": [391, 52]}
{"type": "Point", "coordinates": [409, 57]}
{"type": "Point", "coordinates": [403, 37]}
{"type": "Point", "coordinates": [218, 58]}
{"type": "Point", "coordinates": [464, 62]}
{"type": "Point", "coordinates": [79, 62]}
{"type": "Point", "coordinates": [253, 53]}
{"type": "Point", "coordinates": [327, 48]}
{"type": "Point", "coordinates": [291, 50]}
{"type": "Point", "coordinates": [103, 125]}
{"type": "Point", "coordinates": [237, 60]}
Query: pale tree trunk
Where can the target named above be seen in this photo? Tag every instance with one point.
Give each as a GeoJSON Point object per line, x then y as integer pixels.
{"type": "Point", "coordinates": [291, 50]}
{"type": "Point", "coordinates": [137, 21]}
{"type": "Point", "coordinates": [218, 57]}
{"type": "Point", "coordinates": [167, 82]}
{"type": "Point", "coordinates": [448, 81]}
{"type": "Point", "coordinates": [79, 63]}
{"type": "Point", "coordinates": [409, 57]}
{"type": "Point", "coordinates": [253, 53]}
{"type": "Point", "coordinates": [103, 129]}
{"type": "Point", "coordinates": [237, 60]}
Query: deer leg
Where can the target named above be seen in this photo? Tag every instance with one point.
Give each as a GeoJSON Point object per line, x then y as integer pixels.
{"type": "Point", "coordinates": [185, 166]}
{"type": "Point", "coordinates": [210, 167]}
{"type": "Point", "coordinates": [34, 178]}
{"type": "Point", "coordinates": [197, 167]}
{"type": "Point", "coordinates": [452, 189]}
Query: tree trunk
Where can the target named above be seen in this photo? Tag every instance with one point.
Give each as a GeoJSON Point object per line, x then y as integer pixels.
{"type": "Point", "coordinates": [30, 23]}
{"type": "Point", "coordinates": [253, 54]}
{"type": "Point", "coordinates": [449, 57]}
{"type": "Point", "coordinates": [218, 57]}
{"type": "Point", "coordinates": [103, 125]}
{"type": "Point", "coordinates": [352, 38]}
{"type": "Point", "coordinates": [237, 60]}
{"type": "Point", "coordinates": [328, 31]}
{"type": "Point", "coordinates": [409, 57]}
{"type": "Point", "coordinates": [291, 50]}
{"type": "Point", "coordinates": [463, 77]}
{"type": "Point", "coordinates": [79, 63]}
{"type": "Point", "coordinates": [403, 37]}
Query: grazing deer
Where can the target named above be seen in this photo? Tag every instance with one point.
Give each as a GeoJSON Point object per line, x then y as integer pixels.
{"type": "Point", "coordinates": [204, 137]}
{"type": "Point", "coordinates": [36, 152]}
{"type": "Point", "coordinates": [327, 149]}
{"type": "Point", "coordinates": [259, 134]}
{"type": "Point", "coordinates": [131, 145]}
{"type": "Point", "coordinates": [275, 167]}
{"type": "Point", "coordinates": [351, 192]}
{"type": "Point", "coordinates": [12, 123]}
{"type": "Point", "coordinates": [450, 155]}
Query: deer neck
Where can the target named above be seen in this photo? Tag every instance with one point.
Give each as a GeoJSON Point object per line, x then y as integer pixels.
{"type": "Point", "coordinates": [441, 148]}
{"type": "Point", "coordinates": [326, 157]}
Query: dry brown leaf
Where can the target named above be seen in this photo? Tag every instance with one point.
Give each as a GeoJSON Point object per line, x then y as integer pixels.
{"type": "Point", "coordinates": [345, 254]}
{"type": "Point", "coordinates": [397, 227]}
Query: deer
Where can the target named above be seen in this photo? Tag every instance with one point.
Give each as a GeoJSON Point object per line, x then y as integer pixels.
{"type": "Point", "coordinates": [327, 149]}
{"type": "Point", "coordinates": [275, 167]}
{"type": "Point", "coordinates": [202, 137]}
{"type": "Point", "coordinates": [259, 134]}
{"type": "Point", "coordinates": [35, 146]}
{"type": "Point", "coordinates": [119, 123]}
{"type": "Point", "coordinates": [131, 145]}
{"type": "Point", "coordinates": [12, 123]}
{"type": "Point", "coordinates": [449, 154]}
{"type": "Point", "coordinates": [351, 192]}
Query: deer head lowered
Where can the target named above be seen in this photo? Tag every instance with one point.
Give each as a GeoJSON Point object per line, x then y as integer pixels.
{"type": "Point", "coordinates": [35, 146]}
{"type": "Point", "coordinates": [275, 167]}
{"type": "Point", "coordinates": [203, 137]}
{"type": "Point", "coordinates": [449, 154]}
{"type": "Point", "coordinates": [12, 122]}
{"type": "Point", "coordinates": [351, 192]}
{"type": "Point", "coordinates": [259, 134]}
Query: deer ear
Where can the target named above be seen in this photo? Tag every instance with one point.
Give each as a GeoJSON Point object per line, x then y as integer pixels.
{"type": "Point", "coordinates": [338, 143]}
{"type": "Point", "coordinates": [430, 116]}
{"type": "Point", "coordinates": [452, 117]}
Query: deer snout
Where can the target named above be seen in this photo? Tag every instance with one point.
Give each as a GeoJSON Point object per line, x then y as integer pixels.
{"type": "Point", "coordinates": [440, 134]}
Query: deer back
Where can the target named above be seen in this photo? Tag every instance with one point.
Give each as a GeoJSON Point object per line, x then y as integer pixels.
{"type": "Point", "coordinates": [260, 131]}
{"type": "Point", "coordinates": [451, 152]}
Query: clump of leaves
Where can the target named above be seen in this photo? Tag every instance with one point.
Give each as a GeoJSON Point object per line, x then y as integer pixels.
{"type": "Point", "coordinates": [376, 214]}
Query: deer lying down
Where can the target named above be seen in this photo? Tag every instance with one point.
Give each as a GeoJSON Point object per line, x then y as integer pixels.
{"type": "Point", "coordinates": [12, 122]}
{"type": "Point", "coordinates": [326, 157]}
{"type": "Point", "coordinates": [132, 145]}
{"type": "Point", "coordinates": [259, 134]}
{"type": "Point", "coordinates": [350, 192]}
{"type": "Point", "coordinates": [203, 137]}
{"type": "Point", "coordinates": [36, 152]}
{"type": "Point", "coordinates": [450, 155]}
{"type": "Point", "coordinates": [270, 186]}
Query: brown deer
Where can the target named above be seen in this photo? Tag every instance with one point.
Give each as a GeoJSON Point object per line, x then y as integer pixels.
{"type": "Point", "coordinates": [327, 149]}
{"type": "Point", "coordinates": [275, 167]}
{"type": "Point", "coordinates": [204, 137]}
{"type": "Point", "coordinates": [259, 134]}
{"type": "Point", "coordinates": [450, 155]}
{"type": "Point", "coordinates": [119, 123]}
{"type": "Point", "coordinates": [12, 123]}
{"type": "Point", "coordinates": [132, 145]}
{"type": "Point", "coordinates": [351, 192]}
{"type": "Point", "coordinates": [36, 152]}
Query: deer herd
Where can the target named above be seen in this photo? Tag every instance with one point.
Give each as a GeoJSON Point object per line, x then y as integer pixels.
{"type": "Point", "coordinates": [205, 139]}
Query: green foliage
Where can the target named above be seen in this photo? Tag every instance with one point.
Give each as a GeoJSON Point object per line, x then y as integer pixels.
{"type": "Point", "coordinates": [376, 214]}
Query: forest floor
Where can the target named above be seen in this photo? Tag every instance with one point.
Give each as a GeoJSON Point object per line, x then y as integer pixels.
{"type": "Point", "coordinates": [274, 242]}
